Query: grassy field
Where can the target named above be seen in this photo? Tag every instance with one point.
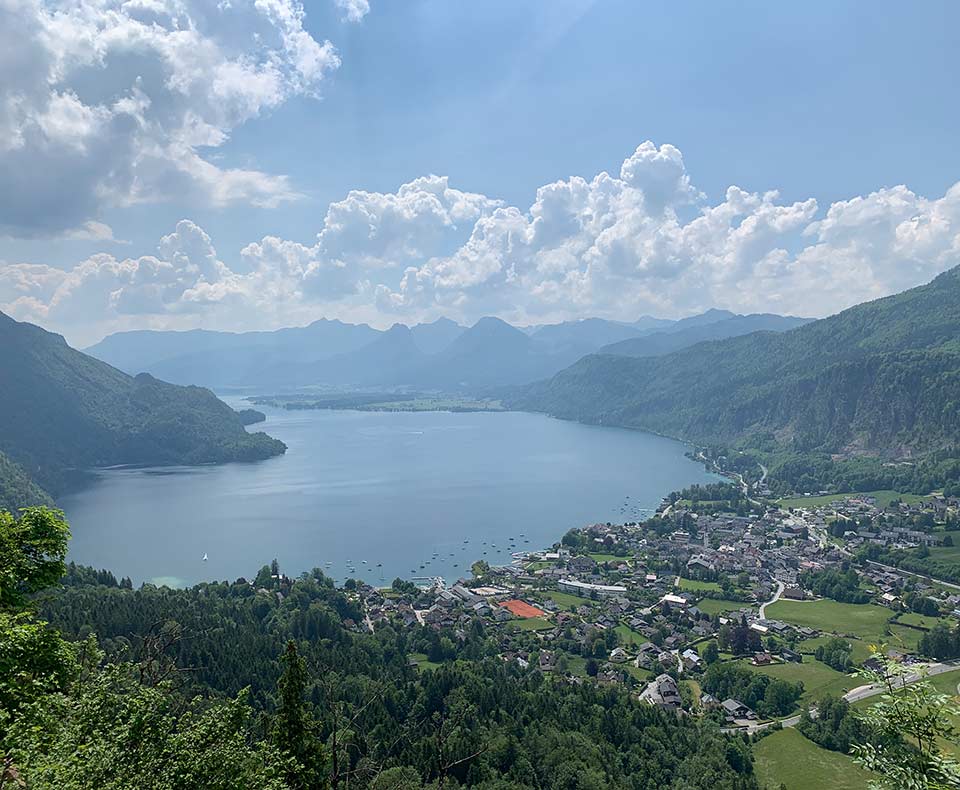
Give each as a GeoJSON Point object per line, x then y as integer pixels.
{"type": "Point", "coordinates": [693, 584]}
{"type": "Point", "coordinates": [719, 605]}
{"type": "Point", "coordinates": [530, 624]}
{"type": "Point", "coordinates": [787, 757]}
{"type": "Point", "coordinates": [422, 662]}
{"type": "Point", "coordinates": [883, 498]}
{"type": "Point", "coordinates": [903, 637]}
{"type": "Point", "coordinates": [538, 565]}
{"type": "Point", "coordinates": [695, 691]}
{"type": "Point", "coordinates": [912, 618]}
{"type": "Point", "coordinates": [859, 654]}
{"type": "Point", "coordinates": [565, 600]}
{"type": "Point", "coordinates": [642, 675]}
{"type": "Point", "coordinates": [946, 553]}
{"type": "Point", "coordinates": [608, 558]}
{"type": "Point", "coordinates": [628, 636]}
{"type": "Point", "coordinates": [818, 679]}
{"type": "Point", "coordinates": [576, 665]}
{"type": "Point", "coordinates": [863, 620]}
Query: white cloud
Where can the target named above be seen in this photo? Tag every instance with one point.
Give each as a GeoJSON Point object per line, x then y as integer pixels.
{"type": "Point", "coordinates": [617, 247]}
{"type": "Point", "coordinates": [644, 242]}
{"type": "Point", "coordinates": [353, 10]}
{"type": "Point", "coordinates": [111, 102]}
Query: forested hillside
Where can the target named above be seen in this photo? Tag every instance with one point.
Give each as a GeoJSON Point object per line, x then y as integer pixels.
{"type": "Point", "coordinates": [62, 412]}
{"type": "Point", "coordinates": [675, 339]}
{"type": "Point", "coordinates": [17, 490]}
{"type": "Point", "coordinates": [330, 705]}
{"type": "Point", "coordinates": [882, 377]}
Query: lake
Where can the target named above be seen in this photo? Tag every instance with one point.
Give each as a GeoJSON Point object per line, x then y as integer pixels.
{"type": "Point", "coordinates": [396, 490]}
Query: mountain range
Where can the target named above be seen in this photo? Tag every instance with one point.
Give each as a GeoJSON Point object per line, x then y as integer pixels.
{"type": "Point", "coordinates": [62, 412]}
{"type": "Point", "coordinates": [881, 378]}
{"type": "Point", "coordinates": [439, 355]}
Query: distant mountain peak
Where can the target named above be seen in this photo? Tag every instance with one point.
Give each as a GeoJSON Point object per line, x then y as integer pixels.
{"type": "Point", "coordinates": [492, 324]}
{"type": "Point", "coordinates": [441, 321]}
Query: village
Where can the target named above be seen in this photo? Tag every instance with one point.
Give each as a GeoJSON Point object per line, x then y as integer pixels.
{"type": "Point", "coordinates": [722, 605]}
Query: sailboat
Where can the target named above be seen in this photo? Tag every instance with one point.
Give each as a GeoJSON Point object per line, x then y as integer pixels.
{"type": "Point", "coordinates": [204, 556]}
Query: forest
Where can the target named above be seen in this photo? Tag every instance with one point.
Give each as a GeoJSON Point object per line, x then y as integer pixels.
{"type": "Point", "coordinates": [228, 685]}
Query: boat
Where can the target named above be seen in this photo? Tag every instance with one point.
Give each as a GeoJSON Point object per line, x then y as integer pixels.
{"type": "Point", "coordinates": [204, 557]}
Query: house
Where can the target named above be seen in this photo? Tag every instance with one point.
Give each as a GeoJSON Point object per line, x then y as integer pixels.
{"type": "Point", "coordinates": [618, 655]}
{"type": "Point", "coordinates": [708, 701]}
{"type": "Point", "coordinates": [736, 710]}
{"type": "Point", "coordinates": [761, 659]}
{"type": "Point", "coordinates": [581, 564]}
{"type": "Point", "coordinates": [662, 692]}
{"type": "Point", "coordinates": [691, 659]}
{"type": "Point", "coordinates": [647, 655]}
{"type": "Point", "coordinates": [700, 563]}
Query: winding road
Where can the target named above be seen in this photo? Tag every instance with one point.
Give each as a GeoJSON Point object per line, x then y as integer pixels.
{"type": "Point", "coordinates": [855, 695]}
{"type": "Point", "coordinates": [776, 597]}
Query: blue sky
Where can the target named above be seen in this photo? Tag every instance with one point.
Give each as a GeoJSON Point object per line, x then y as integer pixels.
{"type": "Point", "coordinates": [823, 101]}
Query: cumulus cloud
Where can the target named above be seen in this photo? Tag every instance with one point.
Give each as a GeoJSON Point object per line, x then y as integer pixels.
{"type": "Point", "coordinates": [619, 247]}
{"type": "Point", "coordinates": [644, 241]}
{"type": "Point", "coordinates": [112, 102]}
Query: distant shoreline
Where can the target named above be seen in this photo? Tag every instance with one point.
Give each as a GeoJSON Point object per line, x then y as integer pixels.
{"type": "Point", "coordinates": [379, 403]}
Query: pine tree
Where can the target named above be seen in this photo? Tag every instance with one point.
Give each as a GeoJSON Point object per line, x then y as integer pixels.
{"type": "Point", "coordinates": [293, 724]}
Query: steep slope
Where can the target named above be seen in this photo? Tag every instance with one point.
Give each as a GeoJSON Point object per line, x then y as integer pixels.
{"type": "Point", "coordinates": [880, 377]}
{"type": "Point", "coordinates": [62, 411]}
{"type": "Point", "coordinates": [665, 342]}
{"type": "Point", "coordinates": [17, 490]}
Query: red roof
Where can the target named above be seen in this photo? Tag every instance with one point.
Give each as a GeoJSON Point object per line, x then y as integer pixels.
{"type": "Point", "coordinates": [521, 609]}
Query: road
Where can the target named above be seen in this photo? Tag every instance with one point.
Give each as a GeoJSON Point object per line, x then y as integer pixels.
{"type": "Point", "coordinates": [855, 695]}
{"type": "Point", "coordinates": [776, 597]}
{"type": "Point", "coordinates": [745, 486]}
{"type": "Point", "coordinates": [918, 575]}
